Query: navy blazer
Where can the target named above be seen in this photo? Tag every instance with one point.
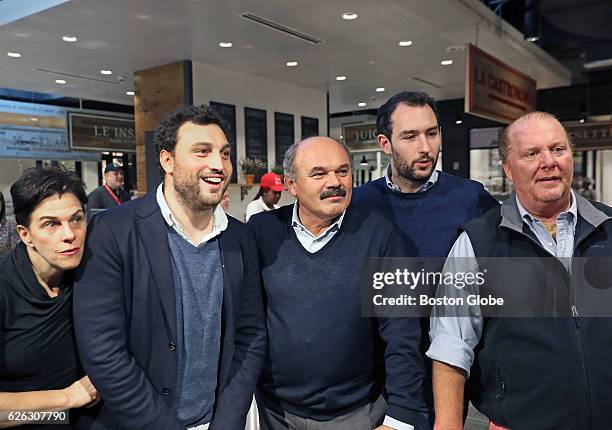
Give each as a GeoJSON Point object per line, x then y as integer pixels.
{"type": "Point", "coordinates": [125, 320]}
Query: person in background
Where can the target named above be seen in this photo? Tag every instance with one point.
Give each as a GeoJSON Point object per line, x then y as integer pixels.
{"type": "Point", "coordinates": [225, 201]}
{"type": "Point", "coordinates": [111, 193]}
{"type": "Point", "coordinates": [270, 189]}
{"type": "Point", "coordinates": [39, 365]}
{"type": "Point", "coordinates": [9, 238]}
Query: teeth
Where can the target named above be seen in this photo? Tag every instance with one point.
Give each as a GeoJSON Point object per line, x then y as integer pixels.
{"type": "Point", "coordinates": [213, 180]}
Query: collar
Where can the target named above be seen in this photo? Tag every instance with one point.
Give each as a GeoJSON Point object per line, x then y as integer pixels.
{"type": "Point", "coordinates": [220, 221]}
{"type": "Point", "coordinates": [295, 222]}
{"type": "Point", "coordinates": [427, 185]}
{"type": "Point", "coordinates": [572, 211]}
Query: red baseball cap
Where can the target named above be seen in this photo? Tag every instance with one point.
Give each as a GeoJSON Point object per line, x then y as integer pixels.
{"type": "Point", "coordinates": [272, 181]}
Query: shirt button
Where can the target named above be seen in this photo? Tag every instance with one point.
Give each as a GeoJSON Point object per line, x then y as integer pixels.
{"type": "Point", "coordinates": [172, 346]}
{"type": "Point", "coordinates": [166, 391]}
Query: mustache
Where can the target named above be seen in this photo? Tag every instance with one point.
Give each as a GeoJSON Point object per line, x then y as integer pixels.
{"type": "Point", "coordinates": [333, 192]}
{"type": "Point", "coordinates": [423, 160]}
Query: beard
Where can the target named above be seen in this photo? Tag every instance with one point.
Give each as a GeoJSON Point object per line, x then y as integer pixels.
{"type": "Point", "coordinates": [408, 171]}
{"type": "Point", "coordinates": [190, 195]}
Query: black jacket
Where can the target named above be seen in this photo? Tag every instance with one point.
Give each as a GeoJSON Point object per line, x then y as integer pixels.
{"type": "Point", "coordinates": [544, 373]}
{"type": "Point", "coordinates": [125, 320]}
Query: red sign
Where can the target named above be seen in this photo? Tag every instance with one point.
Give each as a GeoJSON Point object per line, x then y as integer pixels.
{"type": "Point", "coordinates": [495, 90]}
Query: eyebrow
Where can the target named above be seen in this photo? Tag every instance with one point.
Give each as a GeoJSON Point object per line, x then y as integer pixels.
{"type": "Point", "coordinates": [49, 217]}
{"type": "Point", "coordinates": [210, 145]}
{"type": "Point", "coordinates": [323, 169]}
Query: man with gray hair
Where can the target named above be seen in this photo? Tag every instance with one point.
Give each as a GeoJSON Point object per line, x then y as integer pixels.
{"type": "Point", "coordinates": [326, 364]}
{"type": "Point", "coordinates": [523, 370]}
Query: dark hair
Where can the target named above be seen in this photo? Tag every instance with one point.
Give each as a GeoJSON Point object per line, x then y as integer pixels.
{"type": "Point", "coordinates": [39, 183]}
{"type": "Point", "coordinates": [2, 209]}
{"type": "Point", "coordinates": [410, 98]}
{"type": "Point", "coordinates": [260, 193]}
{"type": "Point", "coordinates": [167, 131]}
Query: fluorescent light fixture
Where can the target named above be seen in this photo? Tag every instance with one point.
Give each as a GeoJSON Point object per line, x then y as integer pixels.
{"type": "Point", "coordinates": [341, 78]}
{"type": "Point", "coordinates": [380, 90]}
{"type": "Point", "coordinates": [60, 81]}
{"type": "Point", "coordinates": [225, 44]}
{"type": "Point", "coordinates": [13, 54]}
{"type": "Point", "coordinates": [129, 93]}
{"type": "Point", "coordinates": [598, 64]}
{"type": "Point", "coordinates": [349, 16]}
{"type": "Point", "coordinates": [106, 72]}
{"type": "Point", "coordinates": [291, 63]}
{"type": "Point", "coordinates": [405, 42]}
{"type": "Point", "coordinates": [362, 104]}
{"type": "Point", "coordinates": [69, 39]}
{"type": "Point", "coordinates": [446, 62]}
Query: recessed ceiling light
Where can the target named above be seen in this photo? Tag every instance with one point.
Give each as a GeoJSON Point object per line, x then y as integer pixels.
{"type": "Point", "coordinates": [225, 44]}
{"type": "Point", "coordinates": [581, 120]}
{"type": "Point", "coordinates": [349, 16]}
{"type": "Point", "coordinates": [34, 119]}
{"type": "Point", "coordinates": [380, 90]}
{"type": "Point", "coordinates": [533, 39]}
{"type": "Point", "coordinates": [405, 42]}
{"type": "Point", "coordinates": [129, 93]}
{"type": "Point", "coordinates": [60, 81]}
{"type": "Point", "coordinates": [13, 54]}
{"type": "Point", "coordinates": [446, 62]}
{"type": "Point", "coordinates": [291, 63]}
{"type": "Point", "coordinates": [69, 39]}
{"type": "Point", "coordinates": [458, 121]}
{"type": "Point", "coordinates": [341, 78]}
{"type": "Point", "coordinates": [362, 104]}
{"type": "Point", "coordinates": [106, 72]}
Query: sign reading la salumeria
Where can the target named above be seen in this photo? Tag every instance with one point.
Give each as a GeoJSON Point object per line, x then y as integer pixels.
{"type": "Point", "coordinates": [101, 133]}
{"type": "Point", "coordinates": [495, 90]}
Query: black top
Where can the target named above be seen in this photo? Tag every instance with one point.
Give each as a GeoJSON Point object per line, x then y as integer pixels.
{"type": "Point", "coordinates": [100, 198]}
{"type": "Point", "coordinates": [37, 346]}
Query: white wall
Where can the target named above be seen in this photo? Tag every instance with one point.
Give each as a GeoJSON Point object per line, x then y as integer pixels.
{"type": "Point", "coordinates": [242, 90]}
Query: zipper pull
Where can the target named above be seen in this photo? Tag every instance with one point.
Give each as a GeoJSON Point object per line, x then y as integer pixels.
{"type": "Point", "coordinates": [574, 311]}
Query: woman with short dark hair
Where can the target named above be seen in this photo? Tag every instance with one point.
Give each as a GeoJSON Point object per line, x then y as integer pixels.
{"type": "Point", "coordinates": [39, 366]}
{"type": "Point", "coordinates": [8, 231]}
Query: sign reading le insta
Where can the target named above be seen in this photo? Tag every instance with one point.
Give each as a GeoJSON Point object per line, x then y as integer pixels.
{"type": "Point", "coordinates": [101, 133]}
{"type": "Point", "coordinates": [495, 90]}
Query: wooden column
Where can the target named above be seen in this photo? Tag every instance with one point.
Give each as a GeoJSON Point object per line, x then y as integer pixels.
{"type": "Point", "coordinates": [158, 90]}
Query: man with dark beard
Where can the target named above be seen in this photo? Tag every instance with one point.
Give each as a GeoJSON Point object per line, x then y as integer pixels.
{"type": "Point", "coordinates": [327, 367]}
{"type": "Point", "coordinates": [168, 311]}
{"type": "Point", "coordinates": [427, 205]}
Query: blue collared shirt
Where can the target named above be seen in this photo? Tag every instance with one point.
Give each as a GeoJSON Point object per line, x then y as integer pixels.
{"type": "Point", "coordinates": [309, 241]}
{"type": "Point", "coordinates": [427, 185]}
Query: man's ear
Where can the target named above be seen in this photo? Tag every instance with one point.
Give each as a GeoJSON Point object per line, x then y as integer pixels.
{"type": "Point", "coordinates": [507, 170]}
{"type": "Point", "coordinates": [24, 234]}
{"type": "Point", "coordinates": [385, 143]}
{"type": "Point", "coordinates": [290, 184]}
{"type": "Point", "coordinates": [166, 160]}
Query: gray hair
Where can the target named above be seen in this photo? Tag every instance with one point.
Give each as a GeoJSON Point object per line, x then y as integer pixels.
{"type": "Point", "coordinates": [289, 160]}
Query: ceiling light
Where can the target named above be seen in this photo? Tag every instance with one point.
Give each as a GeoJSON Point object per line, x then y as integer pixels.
{"type": "Point", "coordinates": [458, 121]}
{"type": "Point", "coordinates": [446, 62]}
{"type": "Point", "coordinates": [364, 161]}
{"type": "Point", "coordinates": [341, 78]}
{"type": "Point", "coordinates": [362, 104]}
{"type": "Point", "coordinates": [405, 42]}
{"type": "Point", "coordinates": [225, 44]}
{"type": "Point", "coordinates": [582, 120]}
{"type": "Point", "coordinates": [106, 72]}
{"type": "Point", "coordinates": [380, 90]}
{"type": "Point", "coordinates": [129, 93]}
{"type": "Point", "coordinates": [349, 16]}
{"type": "Point", "coordinates": [33, 119]}
{"type": "Point", "coordinates": [69, 39]}
{"type": "Point", "coordinates": [291, 63]}
{"type": "Point", "coordinates": [533, 39]}
{"type": "Point", "coordinates": [13, 54]}
{"type": "Point", "coordinates": [60, 81]}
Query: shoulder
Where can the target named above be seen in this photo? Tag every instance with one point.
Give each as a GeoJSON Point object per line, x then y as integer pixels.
{"type": "Point", "coordinates": [602, 207]}
{"type": "Point", "coordinates": [369, 189]}
{"type": "Point", "coordinates": [96, 192]}
{"type": "Point", "coordinates": [369, 220]}
{"type": "Point", "coordinates": [270, 219]}
{"type": "Point", "coordinates": [461, 183]}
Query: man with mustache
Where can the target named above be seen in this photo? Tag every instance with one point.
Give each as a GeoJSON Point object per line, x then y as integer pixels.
{"type": "Point", "coordinates": [524, 372]}
{"type": "Point", "coordinates": [326, 364]}
{"type": "Point", "coordinates": [168, 311]}
{"type": "Point", "coordinates": [427, 205]}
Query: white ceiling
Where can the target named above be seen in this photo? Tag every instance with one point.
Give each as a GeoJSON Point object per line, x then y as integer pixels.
{"type": "Point", "coordinates": [130, 35]}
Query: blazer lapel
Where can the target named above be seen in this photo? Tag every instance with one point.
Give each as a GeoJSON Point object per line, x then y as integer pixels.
{"type": "Point", "coordinates": [153, 233]}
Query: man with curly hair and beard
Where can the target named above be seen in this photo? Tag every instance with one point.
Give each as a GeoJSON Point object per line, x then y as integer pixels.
{"type": "Point", "coordinates": [168, 310]}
